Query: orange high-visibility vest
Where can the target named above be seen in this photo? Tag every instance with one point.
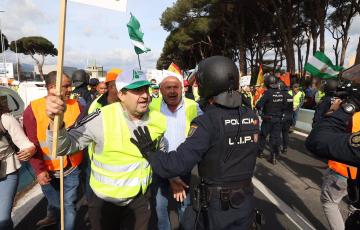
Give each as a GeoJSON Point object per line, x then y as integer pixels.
{"type": "Point", "coordinates": [42, 123]}
{"type": "Point", "coordinates": [340, 167]}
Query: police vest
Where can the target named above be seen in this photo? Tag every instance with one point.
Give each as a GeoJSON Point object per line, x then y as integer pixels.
{"type": "Point", "coordinates": [42, 123]}
{"type": "Point", "coordinates": [231, 156]}
{"type": "Point", "coordinates": [190, 110]}
{"type": "Point", "coordinates": [275, 105]}
{"type": "Point", "coordinates": [298, 100]}
{"type": "Point", "coordinates": [120, 171]}
{"type": "Point", "coordinates": [341, 168]}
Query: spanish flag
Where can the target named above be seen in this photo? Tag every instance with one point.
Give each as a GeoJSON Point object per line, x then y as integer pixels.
{"type": "Point", "coordinates": [260, 78]}
{"type": "Point", "coordinates": [174, 68]}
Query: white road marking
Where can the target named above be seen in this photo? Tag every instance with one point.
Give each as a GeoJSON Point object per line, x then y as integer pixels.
{"type": "Point", "coordinates": [26, 204]}
{"type": "Point", "coordinates": [301, 133]}
{"type": "Point", "coordinates": [291, 214]}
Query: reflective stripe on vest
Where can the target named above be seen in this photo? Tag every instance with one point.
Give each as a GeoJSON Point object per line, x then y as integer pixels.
{"type": "Point", "coordinates": [191, 111]}
{"type": "Point", "coordinates": [42, 123]}
{"type": "Point", "coordinates": [340, 167]}
{"type": "Point", "coordinates": [120, 171]}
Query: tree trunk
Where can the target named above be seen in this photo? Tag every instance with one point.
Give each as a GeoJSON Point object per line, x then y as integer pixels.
{"type": "Point", "coordinates": [242, 48]}
{"type": "Point", "coordinates": [357, 59]}
{"type": "Point", "coordinates": [345, 41]}
{"type": "Point", "coordinates": [322, 37]}
{"type": "Point", "coordinates": [314, 44]}
{"type": "Point", "coordinates": [307, 53]}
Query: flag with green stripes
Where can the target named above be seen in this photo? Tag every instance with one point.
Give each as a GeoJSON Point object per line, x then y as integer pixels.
{"type": "Point", "coordinates": [136, 35]}
{"type": "Point", "coordinates": [321, 66]}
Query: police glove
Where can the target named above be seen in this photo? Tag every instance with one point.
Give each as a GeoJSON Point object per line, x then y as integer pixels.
{"type": "Point", "coordinates": [143, 141]}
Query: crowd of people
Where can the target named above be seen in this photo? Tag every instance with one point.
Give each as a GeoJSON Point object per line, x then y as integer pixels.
{"type": "Point", "coordinates": [131, 144]}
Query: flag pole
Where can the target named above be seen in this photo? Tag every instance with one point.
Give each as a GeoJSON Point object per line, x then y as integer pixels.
{"type": "Point", "coordinates": [139, 61]}
{"type": "Point", "coordinates": [58, 119]}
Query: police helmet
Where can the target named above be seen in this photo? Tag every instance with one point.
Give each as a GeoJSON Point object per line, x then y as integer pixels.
{"type": "Point", "coordinates": [330, 85]}
{"type": "Point", "coordinates": [79, 78]}
{"type": "Point", "coordinates": [215, 75]}
{"type": "Point", "coordinates": [282, 86]}
{"type": "Point", "coordinates": [271, 81]}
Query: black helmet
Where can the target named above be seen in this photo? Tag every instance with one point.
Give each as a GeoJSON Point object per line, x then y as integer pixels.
{"type": "Point", "coordinates": [271, 81]}
{"type": "Point", "coordinates": [330, 85]}
{"type": "Point", "coordinates": [215, 75]}
{"type": "Point", "coordinates": [80, 77]}
{"type": "Point", "coordinates": [282, 86]}
{"type": "Point", "coordinates": [94, 82]}
{"type": "Point", "coordinates": [218, 77]}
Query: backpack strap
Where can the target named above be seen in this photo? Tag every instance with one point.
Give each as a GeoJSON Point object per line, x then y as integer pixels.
{"type": "Point", "coordinates": [4, 132]}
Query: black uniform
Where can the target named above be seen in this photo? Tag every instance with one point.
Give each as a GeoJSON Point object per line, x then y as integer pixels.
{"type": "Point", "coordinates": [272, 106]}
{"type": "Point", "coordinates": [287, 118]}
{"type": "Point", "coordinates": [329, 139]}
{"type": "Point", "coordinates": [83, 93]}
{"type": "Point", "coordinates": [322, 108]}
{"type": "Point", "coordinates": [223, 142]}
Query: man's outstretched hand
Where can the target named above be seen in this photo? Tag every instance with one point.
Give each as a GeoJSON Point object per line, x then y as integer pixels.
{"type": "Point", "coordinates": [143, 141]}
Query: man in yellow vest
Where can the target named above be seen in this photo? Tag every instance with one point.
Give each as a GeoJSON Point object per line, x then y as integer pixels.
{"type": "Point", "coordinates": [179, 112]}
{"type": "Point", "coordinates": [334, 187]}
{"type": "Point", "coordinates": [120, 175]}
{"type": "Point", "coordinates": [298, 99]}
{"type": "Point", "coordinates": [46, 168]}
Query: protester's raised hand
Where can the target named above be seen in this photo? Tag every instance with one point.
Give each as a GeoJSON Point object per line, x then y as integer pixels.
{"type": "Point", "coordinates": [54, 106]}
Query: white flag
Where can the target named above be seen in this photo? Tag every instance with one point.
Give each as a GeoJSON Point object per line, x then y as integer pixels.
{"type": "Point", "coordinates": [119, 5]}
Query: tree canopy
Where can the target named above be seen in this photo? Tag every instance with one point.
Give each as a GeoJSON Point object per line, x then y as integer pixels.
{"type": "Point", "coordinates": [247, 30]}
{"type": "Point", "coordinates": [32, 46]}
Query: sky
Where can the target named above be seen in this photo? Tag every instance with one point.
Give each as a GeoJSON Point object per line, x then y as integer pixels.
{"type": "Point", "coordinates": [99, 34]}
{"type": "Point", "coordinates": [92, 33]}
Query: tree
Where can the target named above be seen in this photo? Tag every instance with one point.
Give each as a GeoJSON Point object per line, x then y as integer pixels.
{"type": "Point", "coordinates": [341, 18]}
{"type": "Point", "coordinates": [34, 45]}
{"type": "Point", "coordinates": [4, 46]}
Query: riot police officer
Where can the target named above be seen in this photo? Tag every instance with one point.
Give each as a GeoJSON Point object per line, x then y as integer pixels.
{"type": "Point", "coordinates": [287, 118]}
{"type": "Point", "coordinates": [271, 105]}
{"type": "Point", "coordinates": [80, 81]}
{"type": "Point", "coordinates": [223, 141]}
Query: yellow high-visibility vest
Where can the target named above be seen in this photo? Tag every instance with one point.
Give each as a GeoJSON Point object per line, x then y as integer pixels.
{"type": "Point", "coordinates": [120, 172]}
{"type": "Point", "coordinates": [190, 110]}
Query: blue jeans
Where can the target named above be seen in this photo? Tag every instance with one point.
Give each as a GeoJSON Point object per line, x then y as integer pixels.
{"type": "Point", "coordinates": [163, 194]}
{"type": "Point", "coordinates": [52, 194]}
{"type": "Point", "coordinates": [8, 187]}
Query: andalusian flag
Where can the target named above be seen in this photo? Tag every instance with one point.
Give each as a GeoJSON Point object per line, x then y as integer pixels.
{"type": "Point", "coordinates": [260, 78]}
{"type": "Point", "coordinates": [321, 66]}
{"type": "Point", "coordinates": [119, 5]}
{"type": "Point", "coordinates": [136, 36]}
{"type": "Point", "coordinates": [174, 68]}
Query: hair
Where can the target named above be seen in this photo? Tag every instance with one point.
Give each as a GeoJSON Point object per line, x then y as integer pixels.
{"type": "Point", "coordinates": [50, 78]}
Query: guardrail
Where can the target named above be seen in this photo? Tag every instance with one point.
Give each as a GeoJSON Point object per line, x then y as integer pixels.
{"type": "Point", "coordinates": [304, 120]}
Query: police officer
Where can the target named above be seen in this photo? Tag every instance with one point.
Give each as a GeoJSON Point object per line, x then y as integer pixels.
{"type": "Point", "coordinates": [223, 141]}
{"type": "Point", "coordinates": [329, 138]}
{"type": "Point", "coordinates": [80, 81]}
{"type": "Point", "coordinates": [328, 86]}
{"type": "Point", "coordinates": [287, 118]}
{"type": "Point", "coordinates": [271, 105]}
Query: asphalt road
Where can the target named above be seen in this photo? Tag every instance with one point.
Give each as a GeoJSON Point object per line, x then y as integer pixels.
{"type": "Point", "coordinates": [287, 193]}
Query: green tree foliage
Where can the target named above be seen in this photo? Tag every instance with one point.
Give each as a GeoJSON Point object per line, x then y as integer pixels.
{"type": "Point", "coordinates": [4, 46]}
{"type": "Point", "coordinates": [247, 30]}
{"type": "Point", "coordinates": [34, 46]}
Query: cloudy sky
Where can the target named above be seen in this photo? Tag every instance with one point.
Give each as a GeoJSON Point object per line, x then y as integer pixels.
{"type": "Point", "coordinates": [91, 33]}
{"type": "Point", "coordinates": [98, 34]}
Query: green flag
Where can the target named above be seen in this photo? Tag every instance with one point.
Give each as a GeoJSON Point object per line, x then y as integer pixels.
{"type": "Point", "coordinates": [136, 36]}
{"type": "Point", "coordinates": [321, 66]}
